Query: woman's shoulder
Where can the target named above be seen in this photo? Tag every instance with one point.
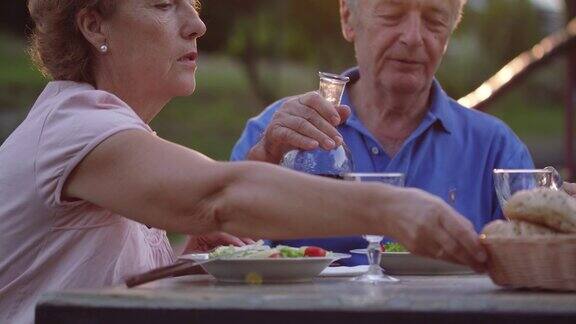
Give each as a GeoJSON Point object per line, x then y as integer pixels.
{"type": "Point", "coordinates": [68, 101]}
{"type": "Point", "coordinates": [72, 94]}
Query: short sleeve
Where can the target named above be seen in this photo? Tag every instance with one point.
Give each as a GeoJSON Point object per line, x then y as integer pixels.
{"type": "Point", "coordinates": [253, 132]}
{"type": "Point", "coordinates": [74, 127]}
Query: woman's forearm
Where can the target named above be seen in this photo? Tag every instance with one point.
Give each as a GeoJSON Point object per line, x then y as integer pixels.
{"type": "Point", "coordinates": [265, 201]}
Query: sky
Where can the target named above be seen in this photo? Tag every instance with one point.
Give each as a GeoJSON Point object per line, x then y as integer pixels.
{"type": "Point", "coordinates": [555, 5]}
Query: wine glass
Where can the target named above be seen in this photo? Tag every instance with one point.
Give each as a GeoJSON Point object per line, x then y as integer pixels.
{"type": "Point", "coordinates": [375, 273]}
{"type": "Point", "coordinates": [330, 163]}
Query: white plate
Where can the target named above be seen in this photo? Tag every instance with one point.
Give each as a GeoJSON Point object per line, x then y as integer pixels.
{"type": "Point", "coordinates": [405, 263]}
{"type": "Point", "coordinates": [268, 270]}
{"type": "Point", "coordinates": [344, 271]}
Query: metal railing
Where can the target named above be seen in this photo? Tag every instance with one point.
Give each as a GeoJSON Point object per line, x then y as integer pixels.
{"type": "Point", "coordinates": [559, 44]}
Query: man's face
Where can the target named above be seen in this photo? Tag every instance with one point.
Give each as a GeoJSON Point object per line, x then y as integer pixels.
{"type": "Point", "coordinates": [400, 43]}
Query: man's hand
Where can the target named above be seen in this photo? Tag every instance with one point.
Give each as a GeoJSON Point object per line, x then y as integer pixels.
{"type": "Point", "coordinates": [427, 226]}
{"type": "Point", "coordinates": [570, 188]}
{"type": "Point", "coordinates": [304, 122]}
{"type": "Point", "coordinates": [208, 242]}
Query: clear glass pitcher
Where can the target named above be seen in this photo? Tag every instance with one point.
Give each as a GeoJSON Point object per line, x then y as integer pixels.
{"type": "Point", "coordinates": [329, 163]}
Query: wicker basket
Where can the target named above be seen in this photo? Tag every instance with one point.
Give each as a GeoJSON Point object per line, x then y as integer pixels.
{"type": "Point", "coordinates": [538, 262]}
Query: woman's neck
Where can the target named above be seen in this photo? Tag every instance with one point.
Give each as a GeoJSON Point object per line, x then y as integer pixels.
{"type": "Point", "coordinates": [145, 104]}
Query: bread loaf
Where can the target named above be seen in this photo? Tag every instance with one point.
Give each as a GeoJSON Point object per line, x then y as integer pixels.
{"type": "Point", "coordinates": [515, 228]}
{"type": "Point", "coordinates": [550, 208]}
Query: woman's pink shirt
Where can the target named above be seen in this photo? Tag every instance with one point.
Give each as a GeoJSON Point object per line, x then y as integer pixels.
{"type": "Point", "coordinates": [49, 244]}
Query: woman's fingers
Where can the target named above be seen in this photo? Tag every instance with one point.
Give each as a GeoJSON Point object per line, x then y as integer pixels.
{"type": "Point", "coordinates": [463, 231]}
{"type": "Point", "coordinates": [451, 248]}
{"type": "Point", "coordinates": [226, 239]}
{"type": "Point", "coordinates": [248, 241]}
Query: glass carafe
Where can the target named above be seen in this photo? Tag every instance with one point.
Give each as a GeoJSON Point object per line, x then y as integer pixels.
{"type": "Point", "coordinates": [329, 163]}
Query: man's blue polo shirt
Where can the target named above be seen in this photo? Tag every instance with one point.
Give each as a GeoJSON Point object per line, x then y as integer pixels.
{"type": "Point", "coordinates": [452, 152]}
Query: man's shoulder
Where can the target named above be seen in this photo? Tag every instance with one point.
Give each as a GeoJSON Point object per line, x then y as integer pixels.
{"type": "Point", "coordinates": [478, 121]}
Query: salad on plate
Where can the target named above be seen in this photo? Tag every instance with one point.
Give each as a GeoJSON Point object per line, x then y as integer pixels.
{"type": "Point", "coordinates": [261, 251]}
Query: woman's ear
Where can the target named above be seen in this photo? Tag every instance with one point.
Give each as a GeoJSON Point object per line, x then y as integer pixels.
{"type": "Point", "coordinates": [347, 21]}
{"type": "Point", "coordinates": [90, 24]}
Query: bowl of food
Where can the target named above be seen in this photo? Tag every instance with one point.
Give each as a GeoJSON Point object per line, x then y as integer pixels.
{"type": "Point", "coordinates": [258, 263]}
{"type": "Point", "coordinates": [396, 260]}
{"type": "Point", "coordinates": [536, 247]}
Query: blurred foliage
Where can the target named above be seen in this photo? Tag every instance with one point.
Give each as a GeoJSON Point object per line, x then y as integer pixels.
{"type": "Point", "coordinates": [261, 50]}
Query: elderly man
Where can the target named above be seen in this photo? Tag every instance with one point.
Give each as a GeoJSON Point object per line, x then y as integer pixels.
{"type": "Point", "coordinates": [400, 119]}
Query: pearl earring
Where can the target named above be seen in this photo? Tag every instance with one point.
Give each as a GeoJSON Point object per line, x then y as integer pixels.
{"type": "Point", "coordinates": [104, 48]}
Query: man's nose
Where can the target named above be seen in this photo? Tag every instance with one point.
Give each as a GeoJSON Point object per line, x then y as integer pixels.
{"type": "Point", "coordinates": [412, 32]}
{"type": "Point", "coordinates": [194, 27]}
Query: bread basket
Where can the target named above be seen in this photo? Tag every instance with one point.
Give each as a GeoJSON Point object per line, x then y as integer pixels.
{"type": "Point", "coordinates": [535, 262]}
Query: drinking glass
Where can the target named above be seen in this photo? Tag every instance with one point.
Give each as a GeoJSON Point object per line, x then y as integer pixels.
{"type": "Point", "coordinates": [375, 273]}
{"type": "Point", "coordinates": [330, 163]}
{"type": "Point", "coordinates": [509, 181]}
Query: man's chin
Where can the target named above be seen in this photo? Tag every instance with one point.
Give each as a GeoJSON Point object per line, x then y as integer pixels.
{"type": "Point", "coordinates": [405, 85]}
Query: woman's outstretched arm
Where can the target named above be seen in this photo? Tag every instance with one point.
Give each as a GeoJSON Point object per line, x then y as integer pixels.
{"type": "Point", "coordinates": [159, 183]}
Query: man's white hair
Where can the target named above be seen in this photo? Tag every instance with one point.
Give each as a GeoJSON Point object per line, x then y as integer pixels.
{"type": "Point", "coordinates": [352, 4]}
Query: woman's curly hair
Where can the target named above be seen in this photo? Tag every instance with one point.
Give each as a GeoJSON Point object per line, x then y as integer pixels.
{"type": "Point", "coordinates": [57, 47]}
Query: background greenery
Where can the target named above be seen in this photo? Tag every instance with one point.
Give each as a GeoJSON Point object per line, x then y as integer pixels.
{"type": "Point", "coordinates": [260, 50]}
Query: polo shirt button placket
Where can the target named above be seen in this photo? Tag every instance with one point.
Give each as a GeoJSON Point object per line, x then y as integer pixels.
{"type": "Point", "coordinates": [375, 150]}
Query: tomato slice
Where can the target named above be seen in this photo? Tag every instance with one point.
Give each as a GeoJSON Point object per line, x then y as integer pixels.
{"type": "Point", "coordinates": [314, 251]}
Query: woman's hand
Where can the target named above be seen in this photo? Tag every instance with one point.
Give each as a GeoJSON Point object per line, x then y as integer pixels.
{"type": "Point", "coordinates": [304, 122]}
{"type": "Point", "coordinates": [427, 226]}
{"type": "Point", "coordinates": [208, 242]}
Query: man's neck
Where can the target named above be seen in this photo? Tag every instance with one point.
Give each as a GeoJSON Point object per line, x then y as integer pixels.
{"type": "Point", "coordinates": [390, 117]}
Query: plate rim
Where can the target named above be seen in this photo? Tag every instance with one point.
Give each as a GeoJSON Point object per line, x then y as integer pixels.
{"type": "Point", "coordinates": [334, 256]}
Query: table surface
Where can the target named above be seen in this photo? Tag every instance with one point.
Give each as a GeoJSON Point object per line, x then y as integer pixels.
{"type": "Point", "coordinates": [440, 299]}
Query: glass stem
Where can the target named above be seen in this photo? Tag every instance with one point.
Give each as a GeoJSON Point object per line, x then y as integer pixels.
{"type": "Point", "coordinates": [374, 256]}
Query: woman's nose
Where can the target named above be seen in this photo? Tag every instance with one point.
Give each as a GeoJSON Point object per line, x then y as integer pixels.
{"type": "Point", "coordinates": [193, 27]}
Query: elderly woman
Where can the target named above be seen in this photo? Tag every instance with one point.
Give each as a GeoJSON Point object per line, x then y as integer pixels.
{"type": "Point", "coordinates": [84, 172]}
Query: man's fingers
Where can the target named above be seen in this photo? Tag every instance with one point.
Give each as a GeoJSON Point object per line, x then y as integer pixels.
{"type": "Point", "coordinates": [570, 188]}
{"type": "Point", "coordinates": [303, 127]}
{"type": "Point", "coordinates": [345, 112]}
{"type": "Point", "coordinates": [320, 124]}
{"type": "Point", "coordinates": [294, 139]}
{"type": "Point", "coordinates": [314, 101]}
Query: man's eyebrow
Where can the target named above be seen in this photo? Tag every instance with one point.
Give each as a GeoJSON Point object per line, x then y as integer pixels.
{"type": "Point", "coordinates": [438, 9]}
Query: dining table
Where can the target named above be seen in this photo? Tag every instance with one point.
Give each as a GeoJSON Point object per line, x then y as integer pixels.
{"type": "Point", "coordinates": [415, 299]}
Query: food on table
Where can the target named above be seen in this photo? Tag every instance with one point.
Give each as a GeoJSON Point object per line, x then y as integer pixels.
{"type": "Point", "coordinates": [530, 251]}
{"type": "Point", "coordinates": [515, 228]}
{"type": "Point", "coordinates": [259, 250]}
{"type": "Point", "coordinates": [550, 208]}
{"type": "Point", "coordinates": [393, 247]}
